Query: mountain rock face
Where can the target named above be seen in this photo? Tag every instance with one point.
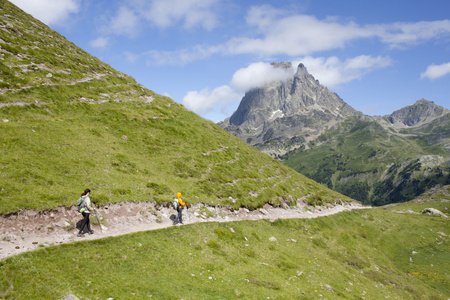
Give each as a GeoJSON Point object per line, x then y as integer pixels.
{"type": "Point", "coordinates": [422, 112]}
{"type": "Point", "coordinates": [376, 160]}
{"type": "Point", "coordinates": [285, 115]}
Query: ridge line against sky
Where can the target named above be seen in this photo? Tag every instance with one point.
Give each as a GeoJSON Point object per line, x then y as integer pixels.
{"type": "Point", "coordinates": [378, 56]}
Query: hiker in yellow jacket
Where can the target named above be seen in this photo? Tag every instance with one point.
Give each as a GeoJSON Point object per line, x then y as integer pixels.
{"type": "Point", "coordinates": [180, 207]}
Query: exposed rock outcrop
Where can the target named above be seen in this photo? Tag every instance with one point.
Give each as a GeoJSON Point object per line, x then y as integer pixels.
{"type": "Point", "coordinates": [433, 211]}
{"type": "Point", "coordinates": [421, 112]}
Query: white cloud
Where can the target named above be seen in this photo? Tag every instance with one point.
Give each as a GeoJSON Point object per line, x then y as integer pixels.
{"type": "Point", "coordinates": [280, 32]}
{"type": "Point", "coordinates": [436, 71]}
{"type": "Point", "coordinates": [49, 11]}
{"type": "Point", "coordinates": [166, 13]}
{"type": "Point", "coordinates": [257, 75]}
{"type": "Point", "coordinates": [125, 22]}
{"type": "Point", "coordinates": [205, 101]}
{"type": "Point", "coordinates": [100, 42]}
{"type": "Point", "coordinates": [130, 18]}
{"type": "Point", "coordinates": [224, 99]}
{"type": "Point", "coordinates": [293, 34]}
{"type": "Point", "coordinates": [399, 35]}
{"type": "Point", "coordinates": [332, 72]}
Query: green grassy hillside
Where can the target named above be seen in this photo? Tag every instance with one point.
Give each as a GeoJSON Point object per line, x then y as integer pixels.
{"type": "Point", "coordinates": [70, 122]}
{"type": "Point", "coordinates": [87, 125]}
{"type": "Point", "coordinates": [375, 165]}
{"type": "Point", "coordinates": [364, 254]}
{"type": "Point", "coordinates": [135, 152]}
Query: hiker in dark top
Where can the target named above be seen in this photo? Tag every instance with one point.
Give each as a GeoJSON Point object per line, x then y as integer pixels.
{"type": "Point", "coordinates": [86, 211]}
{"type": "Point", "coordinates": [180, 207]}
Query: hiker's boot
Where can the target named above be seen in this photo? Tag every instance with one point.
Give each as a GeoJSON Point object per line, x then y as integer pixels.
{"type": "Point", "coordinates": [80, 235]}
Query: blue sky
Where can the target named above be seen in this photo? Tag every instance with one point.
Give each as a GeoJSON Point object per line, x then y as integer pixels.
{"type": "Point", "coordinates": [378, 56]}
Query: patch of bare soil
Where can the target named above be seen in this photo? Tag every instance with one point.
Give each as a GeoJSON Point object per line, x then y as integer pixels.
{"type": "Point", "coordinates": [29, 229]}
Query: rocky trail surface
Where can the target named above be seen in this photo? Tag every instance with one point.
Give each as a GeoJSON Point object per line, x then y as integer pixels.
{"type": "Point", "coordinates": [29, 229]}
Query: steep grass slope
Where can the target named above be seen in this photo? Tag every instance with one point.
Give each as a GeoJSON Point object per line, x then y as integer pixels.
{"type": "Point", "coordinates": [70, 122]}
{"type": "Point", "coordinates": [364, 254]}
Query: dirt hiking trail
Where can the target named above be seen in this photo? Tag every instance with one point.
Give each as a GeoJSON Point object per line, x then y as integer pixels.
{"type": "Point", "coordinates": [30, 229]}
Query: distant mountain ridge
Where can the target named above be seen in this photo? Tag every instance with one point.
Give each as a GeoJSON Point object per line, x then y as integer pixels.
{"type": "Point", "coordinates": [421, 112]}
{"type": "Point", "coordinates": [376, 160]}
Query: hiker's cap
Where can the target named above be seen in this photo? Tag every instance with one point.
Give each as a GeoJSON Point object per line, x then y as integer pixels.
{"type": "Point", "coordinates": [178, 195]}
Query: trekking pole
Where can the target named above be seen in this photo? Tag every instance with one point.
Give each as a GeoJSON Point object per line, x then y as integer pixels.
{"type": "Point", "coordinates": [98, 219]}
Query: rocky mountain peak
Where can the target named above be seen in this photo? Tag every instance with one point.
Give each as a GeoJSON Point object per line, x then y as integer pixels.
{"type": "Point", "coordinates": [301, 70]}
{"type": "Point", "coordinates": [283, 110]}
{"type": "Point", "coordinates": [421, 112]}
